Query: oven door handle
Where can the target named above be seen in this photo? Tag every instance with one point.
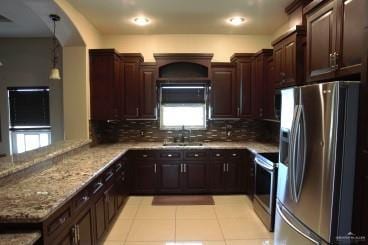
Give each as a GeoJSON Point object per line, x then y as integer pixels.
{"type": "Point", "coordinates": [263, 164]}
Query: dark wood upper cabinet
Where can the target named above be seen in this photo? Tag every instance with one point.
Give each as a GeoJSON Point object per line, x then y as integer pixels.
{"type": "Point", "coordinates": [260, 84]}
{"type": "Point", "coordinates": [243, 69]}
{"type": "Point", "coordinates": [186, 67]}
{"type": "Point", "coordinates": [130, 68]}
{"type": "Point", "coordinates": [224, 98]}
{"type": "Point", "coordinates": [148, 89]}
{"type": "Point", "coordinates": [334, 38]}
{"type": "Point", "coordinates": [104, 82]}
{"type": "Point", "coordinates": [350, 32]}
{"type": "Point", "coordinates": [288, 58]}
{"type": "Point", "coordinates": [269, 90]}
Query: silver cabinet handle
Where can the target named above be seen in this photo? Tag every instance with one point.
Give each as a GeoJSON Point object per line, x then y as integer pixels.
{"type": "Point", "coordinates": [238, 112]}
{"type": "Point", "coordinates": [234, 154]}
{"type": "Point", "coordinates": [137, 112]}
{"type": "Point", "coordinates": [74, 235]}
{"type": "Point", "coordinates": [181, 168]}
{"type": "Point", "coordinates": [218, 155]}
{"type": "Point", "coordinates": [155, 168]}
{"type": "Point", "coordinates": [62, 220]}
{"type": "Point", "coordinates": [196, 155]}
{"type": "Point", "coordinates": [224, 168]}
{"type": "Point", "coordinates": [336, 57]}
{"type": "Point", "coordinates": [227, 167]}
{"type": "Point", "coordinates": [78, 234]}
{"type": "Point", "coordinates": [144, 156]}
{"type": "Point", "coordinates": [169, 155]}
{"type": "Point", "coordinates": [185, 168]}
{"type": "Point", "coordinates": [331, 60]}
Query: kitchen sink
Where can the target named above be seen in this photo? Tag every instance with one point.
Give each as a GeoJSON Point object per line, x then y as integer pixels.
{"type": "Point", "coordinates": [183, 144]}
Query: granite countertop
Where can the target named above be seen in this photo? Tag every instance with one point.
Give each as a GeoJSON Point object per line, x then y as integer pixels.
{"type": "Point", "coordinates": [34, 198]}
{"type": "Point", "coordinates": [21, 238]}
{"type": "Point", "coordinates": [17, 162]}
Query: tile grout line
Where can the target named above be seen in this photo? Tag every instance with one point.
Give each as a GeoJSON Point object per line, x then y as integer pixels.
{"type": "Point", "coordinates": [218, 222]}
{"type": "Point", "coordinates": [131, 225]}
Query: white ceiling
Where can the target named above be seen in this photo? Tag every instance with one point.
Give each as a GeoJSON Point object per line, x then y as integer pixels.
{"type": "Point", "coordinates": [183, 16]}
{"type": "Point", "coordinates": [24, 22]}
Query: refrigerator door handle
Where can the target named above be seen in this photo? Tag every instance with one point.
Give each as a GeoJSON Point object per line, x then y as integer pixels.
{"type": "Point", "coordinates": [291, 152]}
{"type": "Point", "coordinates": [301, 124]}
{"type": "Point", "coordinates": [290, 223]}
{"type": "Point", "coordinates": [295, 152]}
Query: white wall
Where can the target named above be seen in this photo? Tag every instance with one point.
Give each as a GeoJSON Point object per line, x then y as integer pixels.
{"type": "Point", "coordinates": [222, 46]}
{"type": "Point", "coordinates": [27, 62]}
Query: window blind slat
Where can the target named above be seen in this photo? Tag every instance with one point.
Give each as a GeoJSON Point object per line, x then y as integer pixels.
{"type": "Point", "coordinates": [29, 107]}
{"type": "Point", "coordinates": [182, 95]}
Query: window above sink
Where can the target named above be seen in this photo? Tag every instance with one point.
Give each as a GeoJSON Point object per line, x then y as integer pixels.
{"type": "Point", "coordinates": [183, 106]}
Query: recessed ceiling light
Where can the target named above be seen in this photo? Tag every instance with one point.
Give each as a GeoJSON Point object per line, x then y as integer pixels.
{"type": "Point", "coordinates": [141, 21]}
{"type": "Point", "coordinates": [236, 20]}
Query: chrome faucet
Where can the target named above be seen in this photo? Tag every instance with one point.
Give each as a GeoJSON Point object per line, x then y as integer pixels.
{"type": "Point", "coordinates": [182, 135]}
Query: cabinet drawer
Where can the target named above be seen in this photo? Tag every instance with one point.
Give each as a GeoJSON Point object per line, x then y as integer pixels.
{"type": "Point", "coordinates": [97, 186]}
{"type": "Point", "coordinates": [108, 175]}
{"type": "Point", "coordinates": [81, 199]}
{"type": "Point", "coordinates": [195, 155]}
{"type": "Point", "coordinates": [218, 154]}
{"type": "Point", "coordinates": [234, 154]}
{"type": "Point", "coordinates": [59, 221]}
{"type": "Point", "coordinates": [170, 155]}
{"type": "Point", "coordinates": [145, 155]}
{"type": "Point", "coordinates": [120, 166]}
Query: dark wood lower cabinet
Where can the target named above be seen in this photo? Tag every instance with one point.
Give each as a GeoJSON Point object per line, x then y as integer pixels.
{"type": "Point", "coordinates": [216, 177]}
{"type": "Point", "coordinates": [195, 173]}
{"type": "Point", "coordinates": [110, 204]}
{"type": "Point", "coordinates": [169, 177]}
{"type": "Point", "coordinates": [194, 177]}
{"type": "Point", "coordinates": [145, 177]}
{"type": "Point", "coordinates": [84, 229]}
{"type": "Point", "coordinates": [100, 217]}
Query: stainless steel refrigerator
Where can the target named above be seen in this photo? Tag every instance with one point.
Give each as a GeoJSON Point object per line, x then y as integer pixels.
{"type": "Point", "coordinates": [316, 165]}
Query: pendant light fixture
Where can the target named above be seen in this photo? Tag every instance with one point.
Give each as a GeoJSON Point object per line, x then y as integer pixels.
{"type": "Point", "coordinates": [55, 72]}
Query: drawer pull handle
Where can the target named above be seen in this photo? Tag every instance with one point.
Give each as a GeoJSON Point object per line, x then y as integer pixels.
{"type": "Point", "coordinates": [109, 176]}
{"type": "Point", "coordinates": [169, 155]}
{"type": "Point", "coordinates": [234, 154]}
{"type": "Point", "coordinates": [62, 220]}
{"type": "Point", "coordinates": [218, 154]}
{"type": "Point", "coordinates": [85, 198]}
{"type": "Point", "coordinates": [144, 155]}
{"type": "Point", "coordinates": [99, 186]}
{"type": "Point", "coordinates": [119, 167]}
{"type": "Point", "coordinates": [196, 155]}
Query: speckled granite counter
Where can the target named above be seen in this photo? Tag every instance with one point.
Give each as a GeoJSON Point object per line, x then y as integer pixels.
{"type": "Point", "coordinates": [34, 198]}
{"type": "Point", "coordinates": [18, 162]}
{"type": "Point", "coordinates": [26, 238]}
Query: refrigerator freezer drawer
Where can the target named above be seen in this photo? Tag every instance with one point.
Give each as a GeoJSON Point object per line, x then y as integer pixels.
{"type": "Point", "coordinates": [290, 231]}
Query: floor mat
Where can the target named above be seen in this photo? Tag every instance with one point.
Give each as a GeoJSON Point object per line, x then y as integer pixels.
{"type": "Point", "coordinates": [183, 200]}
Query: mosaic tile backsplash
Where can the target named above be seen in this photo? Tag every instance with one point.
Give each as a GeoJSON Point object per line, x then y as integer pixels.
{"type": "Point", "coordinates": [149, 131]}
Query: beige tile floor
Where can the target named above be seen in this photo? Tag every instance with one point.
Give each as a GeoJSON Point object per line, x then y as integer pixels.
{"type": "Point", "coordinates": [231, 221]}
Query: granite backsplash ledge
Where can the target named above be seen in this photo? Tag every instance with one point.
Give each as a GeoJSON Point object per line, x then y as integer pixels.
{"type": "Point", "coordinates": [149, 131]}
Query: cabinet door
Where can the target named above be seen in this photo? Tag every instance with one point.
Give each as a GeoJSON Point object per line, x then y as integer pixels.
{"type": "Point", "coordinates": [131, 89]}
{"type": "Point", "coordinates": [110, 204]}
{"type": "Point", "coordinates": [251, 178]}
{"type": "Point", "coordinates": [350, 27]}
{"type": "Point", "coordinates": [148, 103]}
{"type": "Point", "coordinates": [278, 58]}
{"type": "Point", "coordinates": [257, 87]}
{"type": "Point", "coordinates": [232, 177]}
{"type": "Point", "coordinates": [145, 177]}
{"type": "Point", "coordinates": [67, 240]}
{"type": "Point", "coordinates": [321, 37]}
{"type": "Point", "coordinates": [290, 61]}
{"type": "Point", "coordinates": [224, 93]}
{"type": "Point", "coordinates": [103, 86]}
{"type": "Point", "coordinates": [121, 187]}
{"type": "Point", "coordinates": [100, 217]}
{"type": "Point", "coordinates": [170, 177]}
{"type": "Point", "coordinates": [195, 177]}
{"type": "Point", "coordinates": [85, 229]}
{"type": "Point", "coordinates": [269, 90]}
{"type": "Point", "coordinates": [216, 180]}
{"type": "Point", "coordinates": [246, 89]}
